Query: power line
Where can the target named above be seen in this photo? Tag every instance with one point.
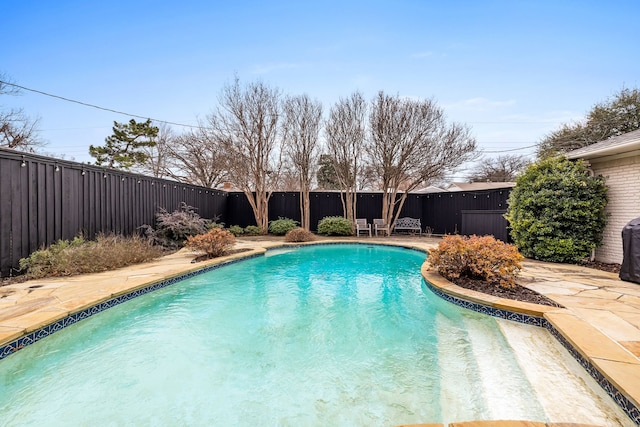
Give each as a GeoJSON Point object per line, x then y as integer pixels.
{"type": "Point", "coordinates": [514, 149]}
{"type": "Point", "coordinates": [94, 106]}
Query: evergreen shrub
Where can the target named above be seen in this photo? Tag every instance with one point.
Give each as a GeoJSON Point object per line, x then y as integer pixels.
{"type": "Point", "coordinates": [253, 230]}
{"type": "Point", "coordinates": [556, 211]}
{"type": "Point", "coordinates": [336, 226]}
{"type": "Point", "coordinates": [236, 230]}
{"type": "Point", "coordinates": [281, 226]}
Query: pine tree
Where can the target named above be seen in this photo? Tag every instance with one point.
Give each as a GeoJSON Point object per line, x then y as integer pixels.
{"type": "Point", "coordinates": [122, 150]}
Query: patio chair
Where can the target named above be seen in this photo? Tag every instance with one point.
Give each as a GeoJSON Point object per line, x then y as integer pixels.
{"type": "Point", "coordinates": [379, 225]}
{"type": "Point", "coordinates": [362, 225]}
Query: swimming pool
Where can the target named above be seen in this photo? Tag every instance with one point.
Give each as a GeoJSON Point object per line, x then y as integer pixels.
{"type": "Point", "coordinates": [322, 335]}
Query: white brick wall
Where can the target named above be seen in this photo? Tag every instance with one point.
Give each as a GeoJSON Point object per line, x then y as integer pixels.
{"type": "Point", "coordinates": [623, 180]}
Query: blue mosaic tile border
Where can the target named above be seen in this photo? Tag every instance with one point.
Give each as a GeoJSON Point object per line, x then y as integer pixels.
{"type": "Point", "coordinates": [625, 404]}
{"type": "Point", "coordinates": [491, 311]}
{"type": "Point", "coordinates": [23, 341]}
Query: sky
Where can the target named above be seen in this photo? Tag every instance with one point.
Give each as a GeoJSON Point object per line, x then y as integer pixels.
{"type": "Point", "coordinates": [513, 71]}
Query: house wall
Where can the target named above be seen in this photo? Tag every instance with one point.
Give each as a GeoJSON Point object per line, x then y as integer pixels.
{"type": "Point", "coordinates": [623, 180]}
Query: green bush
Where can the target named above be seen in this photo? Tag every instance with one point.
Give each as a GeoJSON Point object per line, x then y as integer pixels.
{"type": "Point", "coordinates": [236, 230]}
{"type": "Point", "coordinates": [253, 230]}
{"type": "Point", "coordinates": [107, 252]}
{"type": "Point", "coordinates": [281, 226]}
{"type": "Point", "coordinates": [336, 226]}
{"type": "Point", "coordinates": [474, 257]}
{"type": "Point", "coordinates": [556, 211]}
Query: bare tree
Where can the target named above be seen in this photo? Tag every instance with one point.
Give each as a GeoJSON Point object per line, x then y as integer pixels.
{"type": "Point", "coordinates": [411, 144]}
{"type": "Point", "coordinates": [195, 157]}
{"type": "Point", "coordinates": [301, 127]}
{"type": "Point", "coordinates": [246, 124]}
{"type": "Point", "coordinates": [499, 169]}
{"type": "Point", "coordinates": [345, 134]}
{"type": "Point", "coordinates": [17, 130]}
{"type": "Point", "coordinates": [289, 179]}
{"type": "Point", "coordinates": [156, 163]}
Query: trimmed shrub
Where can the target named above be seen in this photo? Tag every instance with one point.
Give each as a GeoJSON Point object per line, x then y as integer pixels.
{"type": "Point", "coordinates": [172, 229]}
{"type": "Point", "coordinates": [215, 243]}
{"type": "Point", "coordinates": [214, 224]}
{"type": "Point", "coordinates": [336, 226]}
{"type": "Point", "coordinates": [474, 257]}
{"type": "Point", "coordinates": [78, 256]}
{"type": "Point", "coordinates": [236, 230]}
{"type": "Point", "coordinates": [253, 230]}
{"type": "Point", "coordinates": [556, 211]}
{"type": "Point", "coordinates": [299, 235]}
{"type": "Point", "coordinates": [282, 226]}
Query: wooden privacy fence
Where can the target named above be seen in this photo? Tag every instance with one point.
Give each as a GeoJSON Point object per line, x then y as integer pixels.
{"type": "Point", "coordinates": [441, 212]}
{"type": "Point", "coordinates": [485, 222]}
{"type": "Point", "coordinates": [43, 200]}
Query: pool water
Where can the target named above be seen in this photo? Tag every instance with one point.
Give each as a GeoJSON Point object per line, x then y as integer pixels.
{"type": "Point", "coordinates": [322, 335]}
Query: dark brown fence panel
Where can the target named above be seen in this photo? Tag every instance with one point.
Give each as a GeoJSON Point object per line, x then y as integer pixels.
{"type": "Point", "coordinates": [442, 212]}
{"type": "Point", "coordinates": [43, 200]}
{"type": "Point", "coordinates": [485, 223]}
{"type": "Point", "coordinates": [322, 204]}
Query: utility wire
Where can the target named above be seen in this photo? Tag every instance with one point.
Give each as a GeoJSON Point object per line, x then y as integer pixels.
{"type": "Point", "coordinates": [514, 149]}
{"type": "Point", "coordinates": [94, 106]}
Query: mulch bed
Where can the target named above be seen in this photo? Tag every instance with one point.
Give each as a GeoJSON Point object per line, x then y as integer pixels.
{"type": "Point", "coordinates": [518, 293]}
{"type": "Point", "coordinates": [611, 268]}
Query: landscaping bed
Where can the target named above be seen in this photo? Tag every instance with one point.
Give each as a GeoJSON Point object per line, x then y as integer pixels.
{"type": "Point", "coordinates": [518, 293]}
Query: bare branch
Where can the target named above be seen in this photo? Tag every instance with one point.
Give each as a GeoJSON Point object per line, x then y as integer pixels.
{"type": "Point", "coordinates": [300, 129]}
{"type": "Point", "coordinates": [411, 144]}
{"type": "Point", "coordinates": [246, 124]}
{"type": "Point", "coordinates": [345, 134]}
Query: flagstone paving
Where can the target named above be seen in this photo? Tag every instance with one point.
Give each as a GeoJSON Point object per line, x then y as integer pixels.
{"type": "Point", "coordinates": [601, 317]}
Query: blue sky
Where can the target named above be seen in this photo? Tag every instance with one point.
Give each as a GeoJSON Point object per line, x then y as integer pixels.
{"type": "Point", "coordinates": [512, 70]}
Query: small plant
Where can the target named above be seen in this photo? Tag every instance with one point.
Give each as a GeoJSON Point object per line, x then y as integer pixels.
{"type": "Point", "coordinates": [282, 226]}
{"type": "Point", "coordinates": [215, 243]}
{"type": "Point", "coordinates": [107, 252]}
{"type": "Point", "coordinates": [253, 230]}
{"type": "Point", "coordinates": [474, 257]}
{"type": "Point", "coordinates": [172, 229]}
{"type": "Point", "coordinates": [335, 225]}
{"type": "Point", "coordinates": [236, 230]}
{"type": "Point", "coordinates": [215, 224]}
{"type": "Point", "coordinates": [299, 235]}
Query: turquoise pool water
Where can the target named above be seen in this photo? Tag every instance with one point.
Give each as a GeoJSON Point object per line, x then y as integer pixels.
{"type": "Point", "coordinates": [322, 335]}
